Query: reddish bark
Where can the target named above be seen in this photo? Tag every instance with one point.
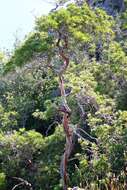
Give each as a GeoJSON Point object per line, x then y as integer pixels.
{"type": "Point", "coordinates": [65, 110]}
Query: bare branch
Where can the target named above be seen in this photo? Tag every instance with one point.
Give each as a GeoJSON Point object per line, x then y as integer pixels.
{"type": "Point", "coordinates": [88, 135]}
{"type": "Point", "coordinates": [50, 126]}
{"type": "Point", "coordinates": [23, 182]}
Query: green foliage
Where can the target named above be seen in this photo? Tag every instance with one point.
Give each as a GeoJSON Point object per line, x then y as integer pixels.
{"type": "Point", "coordinates": [2, 62]}
{"type": "Point", "coordinates": [8, 119]}
{"type": "Point", "coordinates": [96, 88]}
{"type": "Point", "coordinates": [2, 181]}
{"type": "Point", "coordinates": [50, 112]}
{"type": "Point", "coordinates": [81, 23]}
{"type": "Point", "coordinates": [28, 157]}
{"type": "Point", "coordinates": [35, 43]}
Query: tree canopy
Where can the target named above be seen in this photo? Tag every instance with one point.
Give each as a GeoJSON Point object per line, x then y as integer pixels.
{"type": "Point", "coordinates": [72, 68]}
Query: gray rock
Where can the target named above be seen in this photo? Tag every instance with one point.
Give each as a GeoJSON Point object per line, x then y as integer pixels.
{"type": "Point", "coordinates": [111, 6]}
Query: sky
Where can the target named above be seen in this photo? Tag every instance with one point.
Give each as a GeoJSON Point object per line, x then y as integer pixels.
{"type": "Point", "coordinates": [17, 19]}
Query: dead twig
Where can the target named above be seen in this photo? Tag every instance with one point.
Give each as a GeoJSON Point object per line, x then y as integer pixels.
{"type": "Point", "coordinates": [22, 183]}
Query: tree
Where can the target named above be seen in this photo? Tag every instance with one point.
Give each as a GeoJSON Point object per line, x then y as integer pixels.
{"type": "Point", "coordinates": [72, 72]}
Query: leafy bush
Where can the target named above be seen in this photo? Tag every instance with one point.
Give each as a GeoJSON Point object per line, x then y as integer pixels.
{"type": "Point", "coordinates": [2, 181]}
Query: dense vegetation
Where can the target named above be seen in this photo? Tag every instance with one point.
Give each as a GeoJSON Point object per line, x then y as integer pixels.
{"type": "Point", "coordinates": [32, 138]}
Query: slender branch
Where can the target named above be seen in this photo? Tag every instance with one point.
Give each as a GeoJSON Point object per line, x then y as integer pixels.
{"type": "Point", "coordinates": [23, 182]}
{"type": "Point", "coordinates": [88, 135]}
{"type": "Point", "coordinates": [54, 9]}
{"type": "Point", "coordinates": [50, 126]}
{"type": "Point", "coordinates": [82, 110]}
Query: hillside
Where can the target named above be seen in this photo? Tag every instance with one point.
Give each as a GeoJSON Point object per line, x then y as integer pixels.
{"type": "Point", "coordinates": [63, 101]}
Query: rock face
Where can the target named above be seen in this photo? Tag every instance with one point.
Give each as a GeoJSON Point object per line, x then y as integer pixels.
{"type": "Point", "coordinates": [114, 5]}
{"type": "Point", "coordinates": [111, 6]}
{"type": "Point", "coordinates": [90, 2]}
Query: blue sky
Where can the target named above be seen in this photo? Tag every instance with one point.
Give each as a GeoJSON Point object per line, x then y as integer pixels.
{"type": "Point", "coordinates": [17, 19]}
